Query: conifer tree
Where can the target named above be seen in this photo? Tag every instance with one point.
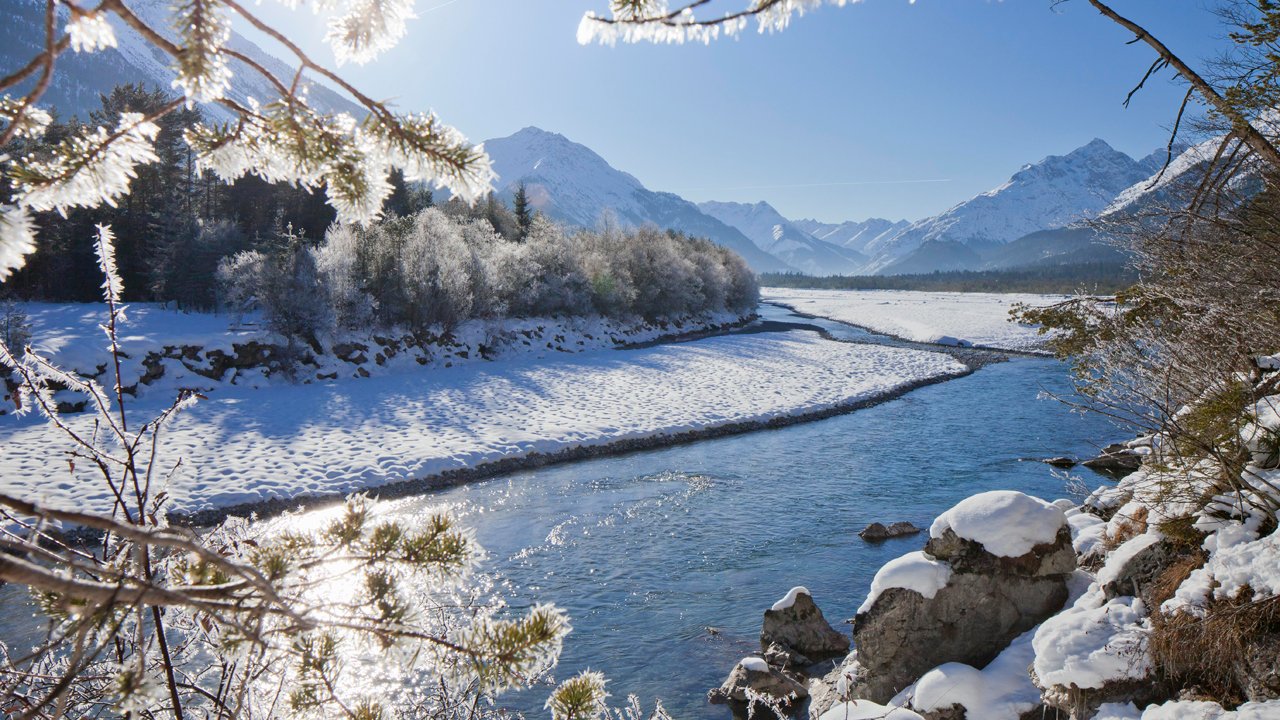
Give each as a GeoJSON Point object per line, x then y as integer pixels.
{"type": "Point", "coordinates": [524, 215]}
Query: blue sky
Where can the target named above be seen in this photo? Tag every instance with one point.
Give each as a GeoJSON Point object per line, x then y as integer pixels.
{"type": "Point", "coordinates": [840, 117]}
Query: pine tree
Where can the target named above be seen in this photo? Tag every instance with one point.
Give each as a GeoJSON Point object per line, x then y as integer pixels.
{"type": "Point", "coordinates": [524, 216]}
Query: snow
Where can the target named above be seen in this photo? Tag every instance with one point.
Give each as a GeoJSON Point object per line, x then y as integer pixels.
{"type": "Point", "coordinates": [913, 571]}
{"type": "Point", "coordinates": [1118, 711]}
{"type": "Point", "coordinates": [867, 710]}
{"type": "Point", "coordinates": [1087, 531]}
{"type": "Point", "coordinates": [790, 598]}
{"type": "Point", "coordinates": [284, 440]}
{"type": "Point", "coordinates": [1200, 710]}
{"type": "Point", "coordinates": [1092, 642]}
{"type": "Point", "coordinates": [1001, 691]}
{"type": "Point", "coordinates": [978, 319]}
{"type": "Point", "coordinates": [754, 664]}
{"type": "Point", "coordinates": [1128, 550]}
{"type": "Point", "coordinates": [1004, 522]}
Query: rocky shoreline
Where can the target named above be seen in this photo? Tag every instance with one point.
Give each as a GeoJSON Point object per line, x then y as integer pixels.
{"type": "Point", "coordinates": [1021, 609]}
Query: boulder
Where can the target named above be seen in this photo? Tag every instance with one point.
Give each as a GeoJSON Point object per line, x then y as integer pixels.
{"type": "Point", "coordinates": [1061, 462]}
{"type": "Point", "coordinates": [969, 614]}
{"type": "Point", "coordinates": [798, 627]}
{"type": "Point", "coordinates": [876, 532]}
{"type": "Point", "coordinates": [754, 686]}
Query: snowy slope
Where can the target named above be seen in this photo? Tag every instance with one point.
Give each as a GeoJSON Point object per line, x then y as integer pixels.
{"type": "Point", "coordinates": [852, 234]}
{"type": "Point", "coordinates": [1049, 194]}
{"type": "Point", "coordinates": [81, 78]}
{"type": "Point", "coordinates": [1185, 171]}
{"type": "Point", "coordinates": [246, 445]}
{"type": "Point", "coordinates": [944, 318]}
{"type": "Point", "coordinates": [571, 183]}
{"type": "Point", "coordinates": [774, 234]}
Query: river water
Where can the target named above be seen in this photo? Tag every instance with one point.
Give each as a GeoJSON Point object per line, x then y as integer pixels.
{"type": "Point", "coordinates": [649, 550]}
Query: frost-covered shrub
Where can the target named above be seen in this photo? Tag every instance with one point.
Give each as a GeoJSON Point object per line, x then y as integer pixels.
{"type": "Point", "coordinates": [286, 285]}
{"type": "Point", "coordinates": [15, 327]}
{"type": "Point", "coordinates": [443, 266]}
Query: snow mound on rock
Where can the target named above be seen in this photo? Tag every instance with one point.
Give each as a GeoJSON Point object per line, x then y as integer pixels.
{"type": "Point", "coordinates": [1092, 643]}
{"type": "Point", "coordinates": [913, 571]}
{"type": "Point", "coordinates": [1005, 522]}
{"type": "Point", "coordinates": [790, 598]}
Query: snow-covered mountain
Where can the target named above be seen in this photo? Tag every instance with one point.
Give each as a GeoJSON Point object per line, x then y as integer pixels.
{"type": "Point", "coordinates": [776, 235]}
{"type": "Point", "coordinates": [852, 234]}
{"type": "Point", "coordinates": [1052, 193]}
{"type": "Point", "coordinates": [82, 77]}
{"type": "Point", "coordinates": [571, 183]}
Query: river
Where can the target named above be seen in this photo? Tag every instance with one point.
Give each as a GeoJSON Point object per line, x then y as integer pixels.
{"type": "Point", "coordinates": [648, 550]}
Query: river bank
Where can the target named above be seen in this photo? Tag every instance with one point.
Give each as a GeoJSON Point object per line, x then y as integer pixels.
{"type": "Point", "coordinates": [267, 449]}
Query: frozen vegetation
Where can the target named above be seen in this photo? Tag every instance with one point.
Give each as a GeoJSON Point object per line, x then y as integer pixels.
{"type": "Point", "coordinates": [957, 319]}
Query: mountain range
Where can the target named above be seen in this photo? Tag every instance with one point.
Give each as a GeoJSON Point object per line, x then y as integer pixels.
{"type": "Point", "coordinates": [1033, 218]}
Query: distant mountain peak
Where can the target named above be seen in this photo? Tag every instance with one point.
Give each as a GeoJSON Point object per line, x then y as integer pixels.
{"type": "Point", "coordinates": [571, 183]}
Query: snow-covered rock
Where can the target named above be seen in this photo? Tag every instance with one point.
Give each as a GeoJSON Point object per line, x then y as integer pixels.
{"type": "Point", "coordinates": [752, 686]}
{"type": "Point", "coordinates": [1005, 523]}
{"type": "Point", "coordinates": [957, 602]}
{"type": "Point", "coordinates": [796, 625]}
{"type": "Point", "coordinates": [1000, 691]}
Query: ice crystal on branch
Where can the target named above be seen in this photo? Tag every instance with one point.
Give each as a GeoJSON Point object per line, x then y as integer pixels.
{"type": "Point", "coordinates": [88, 169]}
{"type": "Point", "coordinates": [204, 26]}
{"type": "Point", "coordinates": [633, 21]}
{"type": "Point", "coordinates": [17, 238]}
{"type": "Point", "coordinates": [368, 28]}
{"type": "Point", "coordinates": [90, 32]}
{"type": "Point", "coordinates": [31, 120]}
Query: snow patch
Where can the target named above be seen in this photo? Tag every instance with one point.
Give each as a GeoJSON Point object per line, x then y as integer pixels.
{"type": "Point", "coordinates": [790, 598]}
{"type": "Point", "coordinates": [954, 319]}
{"type": "Point", "coordinates": [1001, 691]}
{"type": "Point", "coordinates": [1005, 522]}
{"type": "Point", "coordinates": [1093, 642]}
{"type": "Point", "coordinates": [913, 571]}
{"type": "Point", "coordinates": [867, 710]}
{"type": "Point", "coordinates": [754, 664]}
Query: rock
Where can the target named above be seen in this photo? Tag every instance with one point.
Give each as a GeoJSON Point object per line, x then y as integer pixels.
{"type": "Point", "coordinates": [1135, 575]}
{"type": "Point", "coordinates": [785, 658]}
{"type": "Point", "coordinates": [1061, 462]}
{"type": "Point", "coordinates": [951, 712]}
{"type": "Point", "coordinates": [1258, 670]}
{"type": "Point", "coordinates": [876, 532]}
{"type": "Point", "coordinates": [797, 625]}
{"type": "Point", "coordinates": [753, 674]}
{"type": "Point", "coordinates": [987, 602]}
{"type": "Point", "coordinates": [1116, 460]}
{"type": "Point", "coordinates": [966, 556]}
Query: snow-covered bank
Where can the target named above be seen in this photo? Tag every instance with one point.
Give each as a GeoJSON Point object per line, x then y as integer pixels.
{"type": "Point", "coordinates": [248, 445]}
{"type": "Point", "coordinates": [168, 350]}
{"type": "Point", "coordinates": [944, 318]}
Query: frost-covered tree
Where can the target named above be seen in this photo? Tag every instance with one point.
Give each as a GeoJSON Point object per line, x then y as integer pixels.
{"type": "Point", "coordinates": [281, 139]}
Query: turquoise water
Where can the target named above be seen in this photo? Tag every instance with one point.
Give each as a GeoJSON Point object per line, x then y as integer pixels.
{"type": "Point", "coordinates": [646, 551]}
